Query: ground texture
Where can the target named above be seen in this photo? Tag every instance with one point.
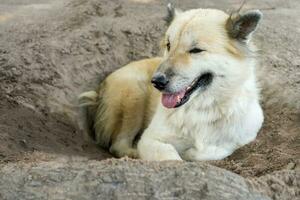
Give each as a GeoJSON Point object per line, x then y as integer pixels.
{"type": "Point", "coordinates": [50, 51]}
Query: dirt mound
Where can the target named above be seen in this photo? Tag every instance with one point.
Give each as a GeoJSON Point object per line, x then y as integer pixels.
{"type": "Point", "coordinates": [50, 51]}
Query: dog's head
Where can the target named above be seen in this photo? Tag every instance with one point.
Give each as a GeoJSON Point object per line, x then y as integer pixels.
{"type": "Point", "coordinates": [205, 51]}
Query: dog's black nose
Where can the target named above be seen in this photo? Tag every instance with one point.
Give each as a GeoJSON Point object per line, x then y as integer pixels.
{"type": "Point", "coordinates": [159, 81]}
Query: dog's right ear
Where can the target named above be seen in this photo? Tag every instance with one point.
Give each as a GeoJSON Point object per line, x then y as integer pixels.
{"type": "Point", "coordinates": [172, 12]}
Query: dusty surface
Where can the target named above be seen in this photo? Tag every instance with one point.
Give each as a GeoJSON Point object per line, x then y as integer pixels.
{"type": "Point", "coordinates": [89, 180]}
{"type": "Point", "coordinates": [50, 51]}
{"type": "Point", "coordinates": [82, 178]}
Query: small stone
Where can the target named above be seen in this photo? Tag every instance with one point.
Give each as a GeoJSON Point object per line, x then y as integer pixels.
{"type": "Point", "coordinates": [291, 165]}
{"type": "Point", "coordinates": [23, 143]}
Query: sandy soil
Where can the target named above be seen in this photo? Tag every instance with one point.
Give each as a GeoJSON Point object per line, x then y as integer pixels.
{"type": "Point", "coordinates": [50, 51]}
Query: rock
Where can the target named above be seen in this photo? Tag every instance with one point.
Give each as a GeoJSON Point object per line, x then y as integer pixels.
{"type": "Point", "coordinates": [291, 165]}
{"type": "Point", "coordinates": [122, 179]}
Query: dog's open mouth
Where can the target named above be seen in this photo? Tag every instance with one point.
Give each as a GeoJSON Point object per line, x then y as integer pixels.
{"type": "Point", "coordinates": [174, 100]}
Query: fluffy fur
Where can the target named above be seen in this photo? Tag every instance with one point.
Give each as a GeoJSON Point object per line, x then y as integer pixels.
{"type": "Point", "coordinates": [217, 119]}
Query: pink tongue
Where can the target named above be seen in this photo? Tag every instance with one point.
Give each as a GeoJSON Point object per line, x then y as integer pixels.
{"type": "Point", "coordinates": [170, 100]}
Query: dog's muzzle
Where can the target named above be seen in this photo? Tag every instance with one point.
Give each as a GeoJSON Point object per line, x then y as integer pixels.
{"type": "Point", "coordinates": [180, 97]}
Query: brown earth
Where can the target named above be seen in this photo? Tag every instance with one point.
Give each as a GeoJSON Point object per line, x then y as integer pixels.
{"type": "Point", "coordinates": [50, 51]}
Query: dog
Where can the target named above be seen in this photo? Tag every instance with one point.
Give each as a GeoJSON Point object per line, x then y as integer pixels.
{"type": "Point", "coordinates": [199, 101]}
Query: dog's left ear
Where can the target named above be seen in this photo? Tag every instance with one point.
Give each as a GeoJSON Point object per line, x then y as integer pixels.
{"type": "Point", "coordinates": [241, 26]}
{"type": "Point", "coordinates": [172, 12]}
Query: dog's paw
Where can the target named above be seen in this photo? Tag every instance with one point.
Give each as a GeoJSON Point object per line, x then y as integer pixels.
{"type": "Point", "coordinates": [129, 152]}
{"type": "Point", "coordinates": [190, 154]}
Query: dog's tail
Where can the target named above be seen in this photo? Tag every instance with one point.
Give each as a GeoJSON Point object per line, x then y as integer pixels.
{"type": "Point", "coordinates": [97, 116]}
{"type": "Point", "coordinates": [87, 108]}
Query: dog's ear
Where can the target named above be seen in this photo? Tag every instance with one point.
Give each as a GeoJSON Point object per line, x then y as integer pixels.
{"type": "Point", "coordinates": [241, 26]}
{"type": "Point", "coordinates": [172, 12]}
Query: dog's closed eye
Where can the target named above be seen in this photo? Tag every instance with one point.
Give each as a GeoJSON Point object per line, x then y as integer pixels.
{"type": "Point", "coordinates": [168, 45]}
{"type": "Point", "coordinates": [195, 50]}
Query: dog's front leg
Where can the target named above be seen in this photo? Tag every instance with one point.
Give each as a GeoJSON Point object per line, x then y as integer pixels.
{"type": "Point", "coordinates": [152, 149]}
{"type": "Point", "coordinates": [154, 143]}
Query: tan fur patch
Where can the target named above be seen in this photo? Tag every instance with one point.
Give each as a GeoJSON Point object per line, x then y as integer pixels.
{"type": "Point", "coordinates": [125, 101]}
{"type": "Point", "coordinates": [234, 51]}
{"type": "Point", "coordinates": [4, 17]}
{"type": "Point", "coordinates": [180, 60]}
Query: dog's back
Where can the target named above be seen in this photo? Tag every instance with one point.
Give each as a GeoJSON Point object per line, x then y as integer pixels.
{"type": "Point", "coordinates": [114, 115]}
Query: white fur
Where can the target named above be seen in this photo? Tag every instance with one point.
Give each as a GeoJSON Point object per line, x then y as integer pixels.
{"type": "Point", "coordinates": [196, 133]}
{"type": "Point", "coordinates": [215, 121]}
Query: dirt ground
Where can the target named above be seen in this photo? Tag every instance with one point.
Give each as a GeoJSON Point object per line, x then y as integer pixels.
{"type": "Point", "coordinates": [50, 51]}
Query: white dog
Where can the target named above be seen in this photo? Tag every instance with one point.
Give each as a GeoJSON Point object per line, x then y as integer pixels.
{"type": "Point", "coordinates": [205, 103]}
